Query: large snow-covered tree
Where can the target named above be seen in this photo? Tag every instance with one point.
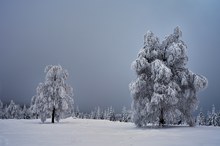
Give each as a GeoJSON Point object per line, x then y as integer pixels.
{"type": "Point", "coordinates": [165, 89]}
{"type": "Point", "coordinates": [54, 96]}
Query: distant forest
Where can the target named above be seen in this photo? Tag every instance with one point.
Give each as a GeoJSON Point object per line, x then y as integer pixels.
{"type": "Point", "coordinates": [16, 111]}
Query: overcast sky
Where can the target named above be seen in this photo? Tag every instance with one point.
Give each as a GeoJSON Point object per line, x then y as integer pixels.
{"type": "Point", "coordinates": [96, 41]}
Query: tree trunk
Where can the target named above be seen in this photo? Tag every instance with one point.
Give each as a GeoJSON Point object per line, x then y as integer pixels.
{"type": "Point", "coordinates": [161, 119]}
{"type": "Point", "coordinates": [53, 115]}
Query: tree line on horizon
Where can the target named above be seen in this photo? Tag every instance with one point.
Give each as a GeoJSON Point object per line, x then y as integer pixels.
{"type": "Point", "coordinates": [210, 119]}
{"type": "Point", "coordinates": [16, 111]}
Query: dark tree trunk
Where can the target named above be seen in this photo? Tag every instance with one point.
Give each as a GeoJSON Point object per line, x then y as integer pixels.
{"type": "Point", "coordinates": [161, 119]}
{"type": "Point", "coordinates": [53, 115]}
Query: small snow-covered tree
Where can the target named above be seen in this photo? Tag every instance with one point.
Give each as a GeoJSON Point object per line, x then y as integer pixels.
{"type": "Point", "coordinates": [54, 96]}
{"type": "Point", "coordinates": [81, 115]}
{"type": "Point", "coordinates": [106, 113]}
{"type": "Point", "coordinates": [5, 112]}
{"type": "Point", "coordinates": [18, 112]}
{"type": "Point", "coordinates": [218, 119]}
{"type": "Point", "coordinates": [209, 119]}
{"type": "Point", "coordinates": [25, 113]}
{"type": "Point", "coordinates": [76, 111]}
{"type": "Point", "coordinates": [214, 116]}
{"type": "Point", "coordinates": [201, 119]}
{"type": "Point", "coordinates": [111, 115]}
{"type": "Point", "coordinates": [11, 110]}
{"type": "Point", "coordinates": [33, 108]}
{"type": "Point", "coordinates": [98, 113]}
{"type": "Point", "coordinates": [92, 115]}
{"type": "Point", "coordinates": [165, 89]}
{"type": "Point", "coordinates": [1, 109]}
{"type": "Point", "coordinates": [124, 115]}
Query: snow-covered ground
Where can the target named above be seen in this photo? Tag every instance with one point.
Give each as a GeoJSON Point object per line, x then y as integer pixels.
{"type": "Point", "coordinates": [79, 132]}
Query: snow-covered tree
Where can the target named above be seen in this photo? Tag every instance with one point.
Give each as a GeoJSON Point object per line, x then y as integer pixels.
{"type": "Point", "coordinates": [106, 111]}
{"type": "Point", "coordinates": [165, 89]}
{"type": "Point", "coordinates": [54, 96]}
{"type": "Point", "coordinates": [201, 119]}
{"type": "Point", "coordinates": [214, 116]}
{"type": "Point", "coordinates": [1, 109]}
{"type": "Point", "coordinates": [209, 119]}
{"type": "Point", "coordinates": [111, 114]}
{"type": "Point", "coordinates": [76, 111]}
{"type": "Point", "coordinates": [25, 113]}
{"type": "Point", "coordinates": [33, 108]}
{"type": "Point", "coordinates": [81, 115]}
{"type": "Point", "coordinates": [11, 110]}
{"type": "Point", "coordinates": [98, 113]}
{"type": "Point", "coordinates": [18, 112]}
{"type": "Point", "coordinates": [92, 115]}
{"type": "Point", "coordinates": [124, 115]}
{"type": "Point", "coordinates": [218, 119]}
{"type": "Point", "coordinates": [5, 114]}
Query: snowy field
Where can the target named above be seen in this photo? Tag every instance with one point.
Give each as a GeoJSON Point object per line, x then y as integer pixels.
{"type": "Point", "coordinates": [79, 132]}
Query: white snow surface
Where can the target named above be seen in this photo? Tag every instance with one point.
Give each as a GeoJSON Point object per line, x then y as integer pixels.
{"type": "Point", "coordinates": [81, 132]}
